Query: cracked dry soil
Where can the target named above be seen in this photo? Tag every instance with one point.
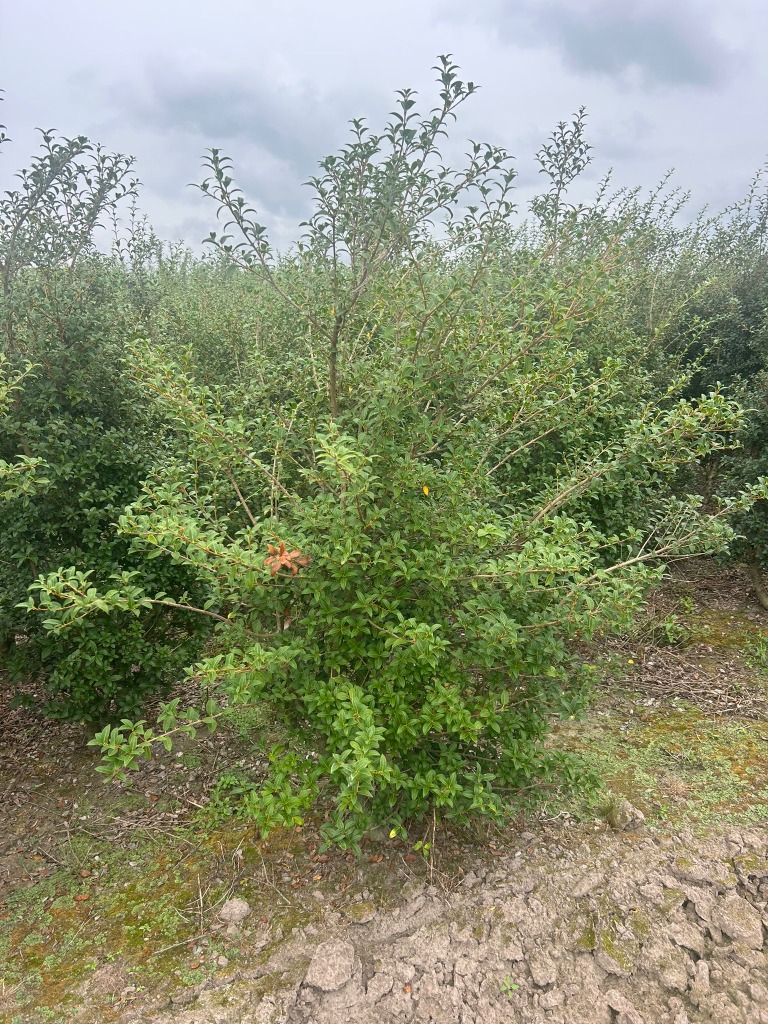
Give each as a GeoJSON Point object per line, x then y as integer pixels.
{"type": "Point", "coordinates": [565, 922]}
{"type": "Point", "coordinates": [615, 928]}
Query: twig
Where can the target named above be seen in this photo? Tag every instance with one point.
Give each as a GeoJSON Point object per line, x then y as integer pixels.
{"type": "Point", "coordinates": [200, 907]}
{"type": "Point", "coordinates": [189, 608]}
{"type": "Point", "coordinates": [284, 898]}
{"type": "Point", "coordinates": [49, 856]}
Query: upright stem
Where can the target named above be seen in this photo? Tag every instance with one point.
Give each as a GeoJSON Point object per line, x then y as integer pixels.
{"type": "Point", "coordinates": [757, 581]}
{"type": "Point", "coordinates": [333, 359]}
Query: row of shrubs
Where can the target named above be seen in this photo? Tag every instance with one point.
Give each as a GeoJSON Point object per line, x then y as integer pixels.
{"type": "Point", "coordinates": [382, 485]}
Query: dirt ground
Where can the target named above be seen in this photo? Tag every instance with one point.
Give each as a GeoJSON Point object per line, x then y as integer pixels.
{"type": "Point", "coordinates": [648, 903]}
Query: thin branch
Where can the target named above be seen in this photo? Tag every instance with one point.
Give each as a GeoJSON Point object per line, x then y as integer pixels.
{"type": "Point", "coordinates": [189, 608]}
{"type": "Point", "coordinates": [240, 497]}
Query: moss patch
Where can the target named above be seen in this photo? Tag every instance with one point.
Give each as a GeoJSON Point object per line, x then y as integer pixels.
{"type": "Point", "coordinates": [679, 766]}
{"type": "Point", "coordinates": [608, 928]}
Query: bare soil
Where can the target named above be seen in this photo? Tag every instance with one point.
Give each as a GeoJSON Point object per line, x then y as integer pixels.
{"type": "Point", "coordinates": [650, 903]}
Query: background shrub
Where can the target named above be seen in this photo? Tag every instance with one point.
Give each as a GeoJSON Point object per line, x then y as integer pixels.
{"type": "Point", "coordinates": [83, 431]}
{"type": "Point", "coordinates": [392, 478]}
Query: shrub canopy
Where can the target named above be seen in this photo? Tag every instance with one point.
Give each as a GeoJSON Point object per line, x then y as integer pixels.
{"type": "Point", "coordinates": [396, 477]}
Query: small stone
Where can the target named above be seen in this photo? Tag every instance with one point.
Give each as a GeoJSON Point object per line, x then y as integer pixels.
{"type": "Point", "coordinates": [630, 1017]}
{"type": "Point", "coordinates": [717, 873]}
{"type": "Point", "coordinates": [379, 985]}
{"type": "Point", "coordinates": [701, 984]}
{"type": "Point", "coordinates": [753, 839]}
{"type": "Point", "coordinates": [688, 870]}
{"type": "Point", "coordinates": [652, 892]}
{"type": "Point", "coordinates": [331, 966]}
{"type": "Point", "coordinates": [616, 1000]}
{"type": "Point", "coordinates": [685, 935]}
{"type": "Point", "coordinates": [512, 950]}
{"type": "Point", "coordinates": [627, 1014]}
{"type": "Point", "coordinates": [551, 1000]}
{"type": "Point", "coordinates": [624, 817]}
{"type": "Point", "coordinates": [751, 866]}
{"type": "Point", "coordinates": [586, 885]}
{"type": "Point", "coordinates": [703, 904]}
{"type": "Point", "coordinates": [222, 961]}
{"type": "Point", "coordinates": [543, 971]}
{"type": "Point", "coordinates": [758, 993]}
{"type": "Point", "coordinates": [463, 968]}
{"type": "Point", "coordinates": [674, 976]}
{"type": "Point", "coordinates": [742, 955]}
{"type": "Point", "coordinates": [413, 907]}
{"type": "Point", "coordinates": [739, 920]}
{"type": "Point", "coordinates": [412, 890]}
{"type": "Point", "coordinates": [234, 911]}
{"type": "Point", "coordinates": [182, 998]}
{"type": "Point", "coordinates": [610, 964]}
{"type": "Point", "coordinates": [360, 913]}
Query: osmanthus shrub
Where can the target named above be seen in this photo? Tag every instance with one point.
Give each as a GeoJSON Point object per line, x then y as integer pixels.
{"type": "Point", "coordinates": [701, 285]}
{"type": "Point", "coordinates": [75, 442]}
{"type": "Point", "coordinates": [403, 532]}
{"type": "Point", "coordinates": [734, 303]}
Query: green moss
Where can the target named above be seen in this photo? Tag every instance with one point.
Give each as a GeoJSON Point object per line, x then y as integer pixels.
{"type": "Point", "coordinates": [359, 911]}
{"type": "Point", "coordinates": [586, 940]}
{"type": "Point", "coordinates": [605, 926]}
{"type": "Point", "coordinates": [622, 953]}
{"type": "Point", "coordinates": [672, 898]}
{"type": "Point", "coordinates": [725, 629]}
{"type": "Point", "coordinates": [680, 767]}
{"type": "Point", "coordinates": [130, 911]}
{"type": "Point", "coordinates": [640, 925]}
{"type": "Point", "coordinates": [752, 864]}
{"type": "Point", "coordinates": [190, 760]}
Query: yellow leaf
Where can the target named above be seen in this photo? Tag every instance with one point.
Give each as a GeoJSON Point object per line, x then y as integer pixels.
{"type": "Point", "coordinates": [425, 489]}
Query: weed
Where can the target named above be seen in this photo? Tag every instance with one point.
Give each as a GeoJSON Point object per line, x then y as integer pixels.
{"type": "Point", "coordinates": [190, 760]}
{"type": "Point", "coordinates": [508, 986]}
{"type": "Point", "coordinates": [756, 653]}
{"type": "Point", "coordinates": [677, 766]}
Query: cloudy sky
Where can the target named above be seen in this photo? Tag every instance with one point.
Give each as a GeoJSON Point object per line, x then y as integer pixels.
{"type": "Point", "coordinates": [667, 84]}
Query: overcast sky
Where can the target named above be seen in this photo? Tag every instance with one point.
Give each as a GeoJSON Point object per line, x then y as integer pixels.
{"type": "Point", "coordinates": [666, 83]}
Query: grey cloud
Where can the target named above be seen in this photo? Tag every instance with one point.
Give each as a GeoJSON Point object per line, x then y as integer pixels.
{"type": "Point", "coordinates": [625, 139]}
{"type": "Point", "coordinates": [293, 124]}
{"type": "Point", "coordinates": [220, 109]}
{"type": "Point", "coordinates": [662, 44]}
{"type": "Point", "coordinates": [273, 85]}
{"type": "Point", "coordinates": [274, 135]}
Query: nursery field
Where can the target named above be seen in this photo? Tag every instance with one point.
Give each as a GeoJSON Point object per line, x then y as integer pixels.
{"type": "Point", "coordinates": [113, 898]}
{"type": "Point", "coordinates": [383, 621]}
